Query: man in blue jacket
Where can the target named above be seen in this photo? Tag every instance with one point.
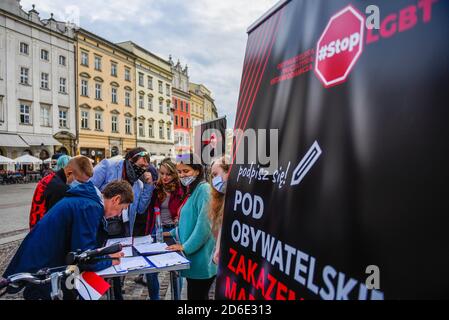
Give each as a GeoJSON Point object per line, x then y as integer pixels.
{"type": "Point", "coordinates": [75, 223]}
{"type": "Point", "coordinates": [134, 169]}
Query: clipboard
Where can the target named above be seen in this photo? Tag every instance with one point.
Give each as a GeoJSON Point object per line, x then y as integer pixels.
{"type": "Point", "coordinates": [167, 260]}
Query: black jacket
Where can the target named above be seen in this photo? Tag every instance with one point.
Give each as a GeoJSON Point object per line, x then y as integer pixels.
{"type": "Point", "coordinates": [49, 191]}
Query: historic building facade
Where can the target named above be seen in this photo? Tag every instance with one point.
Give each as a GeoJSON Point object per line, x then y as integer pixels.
{"type": "Point", "coordinates": [203, 108]}
{"type": "Point", "coordinates": [182, 107]}
{"type": "Point", "coordinates": [106, 86]}
{"type": "Point", "coordinates": [153, 101]}
{"type": "Point", "coordinates": [37, 83]}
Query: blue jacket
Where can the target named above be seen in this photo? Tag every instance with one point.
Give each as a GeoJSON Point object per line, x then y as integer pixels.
{"type": "Point", "coordinates": [73, 223]}
{"type": "Point", "coordinates": [112, 170]}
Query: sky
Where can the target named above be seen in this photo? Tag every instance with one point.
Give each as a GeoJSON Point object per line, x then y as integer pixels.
{"type": "Point", "coordinates": [207, 35]}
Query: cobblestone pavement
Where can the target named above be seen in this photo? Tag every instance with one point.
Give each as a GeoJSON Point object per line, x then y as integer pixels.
{"type": "Point", "coordinates": [14, 211]}
{"type": "Point", "coordinates": [132, 290]}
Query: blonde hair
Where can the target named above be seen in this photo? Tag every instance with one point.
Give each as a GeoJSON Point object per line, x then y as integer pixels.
{"type": "Point", "coordinates": [217, 203]}
{"type": "Point", "coordinates": [171, 168]}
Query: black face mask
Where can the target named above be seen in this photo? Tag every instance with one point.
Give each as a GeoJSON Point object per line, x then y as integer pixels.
{"type": "Point", "coordinates": [138, 170]}
{"type": "Point", "coordinates": [133, 171]}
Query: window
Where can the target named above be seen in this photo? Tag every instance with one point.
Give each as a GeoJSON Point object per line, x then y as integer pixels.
{"type": "Point", "coordinates": [141, 79]}
{"type": "Point", "coordinates": [44, 80]}
{"type": "Point", "coordinates": [114, 124]}
{"type": "Point", "coordinates": [62, 60]}
{"type": "Point", "coordinates": [168, 107]}
{"type": "Point", "coordinates": [141, 104]}
{"type": "Point", "coordinates": [25, 113]}
{"type": "Point", "coordinates": [63, 118]}
{"type": "Point", "coordinates": [168, 90]}
{"type": "Point", "coordinates": [114, 95]}
{"type": "Point", "coordinates": [161, 131]}
{"type": "Point", "coordinates": [150, 129]}
{"type": "Point", "coordinates": [24, 75]}
{"type": "Point", "coordinates": [128, 125]}
{"type": "Point", "coordinates": [84, 88]}
{"type": "Point", "coordinates": [187, 107]}
{"type": "Point", "coordinates": [97, 63]}
{"type": "Point", "coordinates": [150, 83]}
{"type": "Point", "coordinates": [24, 48]}
{"type": "Point", "coordinates": [127, 98]}
{"type": "Point", "coordinates": [182, 122]}
{"type": "Point", "coordinates": [176, 120]}
{"type": "Point", "coordinates": [45, 55]}
{"type": "Point", "coordinates": [187, 123]}
{"type": "Point", "coordinates": [62, 85]}
{"type": "Point", "coordinates": [182, 106]}
{"type": "Point", "coordinates": [98, 121]}
{"type": "Point", "coordinates": [161, 89]}
{"type": "Point", "coordinates": [127, 74]}
{"type": "Point", "coordinates": [113, 69]}
{"type": "Point", "coordinates": [98, 91]}
{"type": "Point", "coordinates": [45, 116]}
{"type": "Point", "coordinates": [84, 119]}
{"type": "Point", "coordinates": [161, 106]}
{"type": "Point", "coordinates": [141, 130]}
{"type": "Point", "coordinates": [168, 132]}
{"type": "Point", "coordinates": [150, 103]}
{"type": "Point", "coordinates": [85, 59]}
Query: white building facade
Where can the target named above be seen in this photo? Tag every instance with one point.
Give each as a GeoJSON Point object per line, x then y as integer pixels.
{"type": "Point", "coordinates": [37, 84]}
{"type": "Point", "coordinates": [154, 107]}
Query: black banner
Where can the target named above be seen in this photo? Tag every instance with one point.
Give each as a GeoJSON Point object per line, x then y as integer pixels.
{"type": "Point", "coordinates": [358, 207]}
{"type": "Point", "coordinates": [210, 140]}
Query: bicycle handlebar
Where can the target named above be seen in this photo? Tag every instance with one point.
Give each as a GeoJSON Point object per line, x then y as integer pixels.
{"type": "Point", "coordinates": [45, 276]}
{"type": "Point", "coordinates": [77, 258]}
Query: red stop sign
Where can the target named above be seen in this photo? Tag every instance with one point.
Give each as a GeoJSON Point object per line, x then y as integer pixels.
{"type": "Point", "coordinates": [340, 46]}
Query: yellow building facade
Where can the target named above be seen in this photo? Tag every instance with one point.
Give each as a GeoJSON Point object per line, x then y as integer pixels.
{"type": "Point", "coordinates": [106, 99]}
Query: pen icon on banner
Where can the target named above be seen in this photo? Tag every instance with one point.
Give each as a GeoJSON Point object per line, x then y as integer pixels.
{"type": "Point", "coordinates": [306, 164]}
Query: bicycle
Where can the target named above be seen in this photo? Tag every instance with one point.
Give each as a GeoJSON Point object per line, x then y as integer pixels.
{"type": "Point", "coordinates": [54, 276]}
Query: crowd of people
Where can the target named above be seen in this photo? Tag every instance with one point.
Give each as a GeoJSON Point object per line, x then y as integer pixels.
{"type": "Point", "coordinates": [79, 207]}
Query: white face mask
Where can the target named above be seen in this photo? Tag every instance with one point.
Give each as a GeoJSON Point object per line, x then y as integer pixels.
{"type": "Point", "coordinates": [187, 181]}
{"type": "Point", "coordinates": [219, 184]}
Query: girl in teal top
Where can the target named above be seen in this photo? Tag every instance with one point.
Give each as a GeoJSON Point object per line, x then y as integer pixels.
{"type": "Point", "coordinates": [194, 231]}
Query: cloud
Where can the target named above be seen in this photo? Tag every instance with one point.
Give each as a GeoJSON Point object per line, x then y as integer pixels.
{"type": "Point", "coordinates": [208, 35]}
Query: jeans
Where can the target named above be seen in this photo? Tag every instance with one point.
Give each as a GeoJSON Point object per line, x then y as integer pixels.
{"type": "Point", "coordinates": [153, 281]}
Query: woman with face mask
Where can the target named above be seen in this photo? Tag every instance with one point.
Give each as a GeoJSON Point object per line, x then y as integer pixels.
{"type": "Point", "coordinates": [167, 197]}
{"type": "Point", "coordinates": [194, 232]}
{"type": "Point", "coordinates": [219, 179]}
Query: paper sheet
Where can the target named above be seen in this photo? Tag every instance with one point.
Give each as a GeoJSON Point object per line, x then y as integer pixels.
{"type": "Point", "coordinates": [107, 272]}
{"type": "Point", "coordinates": [143, 240]}
{"type": "Point", "coordinates": [128, 251]}
{"type": "Point", "coordinates": [134, 263]}
{"type": "Point", "coordinates": [123, 241]}
{"type": "Point", "coordinates": [151, 248]}
{"type": "Point", "coordinates": [167, 260]}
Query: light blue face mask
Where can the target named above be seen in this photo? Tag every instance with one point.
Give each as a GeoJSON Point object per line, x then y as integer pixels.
{"type": "Point", "coordinates": [187, 181]}
{"type": "Point", "coordinates": [219, 184]}
{"type": "Point", "coordinates": [75, 184]}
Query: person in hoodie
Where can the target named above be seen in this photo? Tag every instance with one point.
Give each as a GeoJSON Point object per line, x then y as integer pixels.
{"type": "Point", "coordinates": [77, 222]}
